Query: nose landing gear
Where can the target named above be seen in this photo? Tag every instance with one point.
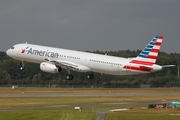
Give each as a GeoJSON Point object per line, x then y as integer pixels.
{"type": "Point", "coordinates": [22, 67]}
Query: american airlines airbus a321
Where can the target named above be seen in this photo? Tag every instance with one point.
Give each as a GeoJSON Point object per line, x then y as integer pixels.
{"type": "Point", "coordinates": [53, 60]}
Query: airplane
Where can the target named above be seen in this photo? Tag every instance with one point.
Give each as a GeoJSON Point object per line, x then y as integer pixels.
{"type": "Point", "coordinates": [53, 60]}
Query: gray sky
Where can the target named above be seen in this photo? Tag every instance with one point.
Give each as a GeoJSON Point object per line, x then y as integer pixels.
{"type": "Point", "coordinates": [90, 24]}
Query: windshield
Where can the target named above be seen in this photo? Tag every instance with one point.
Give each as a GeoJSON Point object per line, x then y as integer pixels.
{"type": "Point", "coordinates": [12, 47]}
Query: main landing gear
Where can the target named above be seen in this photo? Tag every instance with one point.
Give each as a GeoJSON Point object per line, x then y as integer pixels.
{"type": "Point", "coordinates": [88, 76]}
{"type": "Point", "coordinates": [69, 77]}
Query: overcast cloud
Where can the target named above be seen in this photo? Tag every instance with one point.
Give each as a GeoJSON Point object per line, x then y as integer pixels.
{"type": "Point", "coordinates": [90, 24]}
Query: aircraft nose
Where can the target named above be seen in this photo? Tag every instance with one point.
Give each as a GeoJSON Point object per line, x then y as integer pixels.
{"type": "Point", "coordinates": [8, 52]}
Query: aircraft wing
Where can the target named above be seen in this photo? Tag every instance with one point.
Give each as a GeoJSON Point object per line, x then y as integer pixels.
{"type": "Point", "coordinates": [70, 65]}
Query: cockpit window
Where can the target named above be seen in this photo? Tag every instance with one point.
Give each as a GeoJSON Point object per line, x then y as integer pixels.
{"type": "Point", "coordinates": [12, 47]}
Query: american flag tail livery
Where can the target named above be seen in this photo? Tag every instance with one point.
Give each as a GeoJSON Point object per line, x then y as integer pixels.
{"type": "Point", "coordinates": [149, 54]}
{"type": "Point", "coordinates": [145, 61]}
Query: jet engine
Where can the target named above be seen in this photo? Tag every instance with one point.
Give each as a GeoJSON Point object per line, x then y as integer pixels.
{"type": "Point", "coordinates": [49, 67]}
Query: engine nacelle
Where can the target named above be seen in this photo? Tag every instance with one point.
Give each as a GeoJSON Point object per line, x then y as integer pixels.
{"type": "Point", "coordinates": [49, 67]}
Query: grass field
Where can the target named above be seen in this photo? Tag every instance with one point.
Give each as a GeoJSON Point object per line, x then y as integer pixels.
{"type": "Point", "coordinates": [65, 113]}
{"type": "Point", "coordinates": [148, 114]}
{"type": "Point", "coordinates": [54, 108]}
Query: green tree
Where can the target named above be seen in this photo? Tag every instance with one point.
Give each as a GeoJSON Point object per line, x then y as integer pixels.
{"type": "Point", "coordinates": [36, 79]}
{"type": "Point", "coordinates": [5, 78]}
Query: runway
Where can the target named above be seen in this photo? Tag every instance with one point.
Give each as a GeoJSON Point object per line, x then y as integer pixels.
{"type": "Point", "coordinates": [99, 114]}
{"type": "Point", "coordinates": [86, 95]}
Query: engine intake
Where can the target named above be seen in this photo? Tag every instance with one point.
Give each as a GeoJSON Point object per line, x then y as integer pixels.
{"type": "Point", "coordinates": [49, 67]}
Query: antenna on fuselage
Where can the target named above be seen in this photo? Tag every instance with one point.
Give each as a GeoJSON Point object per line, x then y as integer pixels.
{"type": "Point", "coordinates": [26, 43]}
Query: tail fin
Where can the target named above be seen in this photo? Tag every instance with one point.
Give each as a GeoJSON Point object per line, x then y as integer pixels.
{"type": "Point", "coordinates": [149, 54]}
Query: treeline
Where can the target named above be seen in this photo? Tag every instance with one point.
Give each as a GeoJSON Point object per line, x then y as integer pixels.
{"type": "Point", "coordinates": [11, 74]}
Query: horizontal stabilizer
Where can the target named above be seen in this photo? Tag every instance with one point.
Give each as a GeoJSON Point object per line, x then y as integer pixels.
{"type": "Point", "coordinates": [165, 66]}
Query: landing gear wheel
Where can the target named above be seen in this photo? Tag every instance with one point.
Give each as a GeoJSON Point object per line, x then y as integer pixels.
{"type": "Point", "coordinates": [90, 76]}
{"type": "Point", "coordinates": [21, 68]}
{"type": "Point", "coordinates": [69, 77]}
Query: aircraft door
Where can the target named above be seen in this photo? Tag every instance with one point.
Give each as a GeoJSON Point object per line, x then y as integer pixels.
{"type": "Point", "coordinates": [119, 68]}
{"type": "Point", "coordinates": [86, 61]}
{"type": "Point", "coordinates": [19, 51]}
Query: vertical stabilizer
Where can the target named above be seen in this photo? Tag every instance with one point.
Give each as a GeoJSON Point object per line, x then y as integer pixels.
{"type": "Point", "coordinates": [149, 54]}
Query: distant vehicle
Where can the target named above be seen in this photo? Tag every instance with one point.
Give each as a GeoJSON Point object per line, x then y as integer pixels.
{"type": "Point", "coordinates": [52, 60]}
{"type": "Point", "coordinates": [174, 104]}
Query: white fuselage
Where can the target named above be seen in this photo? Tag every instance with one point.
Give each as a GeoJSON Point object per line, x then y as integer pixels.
{"type": "Point", "coordinates": [95, 62]}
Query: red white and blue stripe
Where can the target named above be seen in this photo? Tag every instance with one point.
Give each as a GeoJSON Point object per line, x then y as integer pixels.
{"type": "Point", "coordinates": [147, 57]}
{"type": "Point", "coordinates": [149, 54]}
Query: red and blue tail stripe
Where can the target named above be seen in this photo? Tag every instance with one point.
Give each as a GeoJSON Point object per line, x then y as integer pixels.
{"type": "Point", "coordinates": [147, 57]}
{"type": "Point", "coordinates": [150, 52]}
{"type": "Point", "coordinates": [152, 49]}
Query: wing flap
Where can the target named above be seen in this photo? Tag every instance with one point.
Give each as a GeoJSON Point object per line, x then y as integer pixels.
{"type": "Point", "coordinates": [71, 65]}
